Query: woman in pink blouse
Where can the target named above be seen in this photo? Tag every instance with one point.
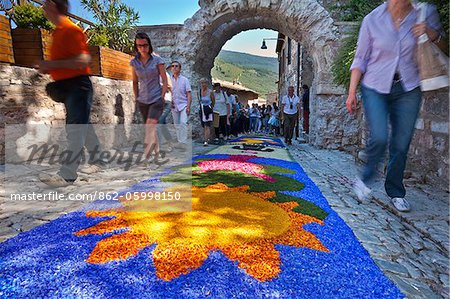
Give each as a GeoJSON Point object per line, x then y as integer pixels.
{"type": "Point", "coordinates": [385, 59]}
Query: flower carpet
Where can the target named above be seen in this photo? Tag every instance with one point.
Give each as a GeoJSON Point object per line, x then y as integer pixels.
{"type": "Point", "coordinates": [258, 227]}
{"type": "Point", "coordinates": [258, 140]}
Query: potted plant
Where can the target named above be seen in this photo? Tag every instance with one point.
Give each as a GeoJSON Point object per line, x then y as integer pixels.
{"type": "Point", "coordinates": [109, 39]}
{"type": "Point", "coordinates": [31, 39]}
{"type": "Point", "coordinates": [110, 63]}
{"type": "Point", "coordinates": [6, 48]}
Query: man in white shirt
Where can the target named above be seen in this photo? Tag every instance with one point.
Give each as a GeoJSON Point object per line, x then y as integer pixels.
{"type": "Point", "coordinates": [232, 100]}
{"type": "Point", "coordinates": [163, 130]}
{"type": "Point", "coordinates": [290, 105]}
{"type": "Point", "coordinates": [181, 102]}
{"type": "Point", "coordinates": [232, 125]}
{"type": "Point", "coordinates": [222, 107]}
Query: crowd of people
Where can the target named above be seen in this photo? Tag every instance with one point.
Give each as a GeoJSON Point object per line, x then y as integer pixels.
{"type": "Point", "coordinates": [158, 91]}
{"type": "Point", "coordinates": [234, 118]}
{"type": "Point", "coordinates": [384, 63]}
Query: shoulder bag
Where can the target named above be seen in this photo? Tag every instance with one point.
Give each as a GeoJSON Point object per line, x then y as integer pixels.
{"type": "Point", "coordinates": [432, 62]}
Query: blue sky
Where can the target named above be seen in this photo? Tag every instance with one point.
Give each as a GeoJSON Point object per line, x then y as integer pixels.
{"type": "Point", "coordinates": [153, 12]}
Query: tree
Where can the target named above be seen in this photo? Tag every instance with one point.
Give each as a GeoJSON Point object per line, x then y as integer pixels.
{"type": "Point", "coordinates": [115, 21]}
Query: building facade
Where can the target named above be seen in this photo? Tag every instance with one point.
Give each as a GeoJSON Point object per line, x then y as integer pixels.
{"type": "Point", "coordinates": [244, 95]}
{"type": "Point", "coordinates": [295, 67]}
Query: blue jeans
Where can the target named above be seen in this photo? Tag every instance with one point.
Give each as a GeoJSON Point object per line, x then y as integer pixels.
{"type": "Point", "coordinates": [79, 130]}
{"type": "Point", "coordinates": [253, 123]}
{"type": "Point", "coordinates": [163, 131]}
{"type": "Point", "coordinates": [401, 109]}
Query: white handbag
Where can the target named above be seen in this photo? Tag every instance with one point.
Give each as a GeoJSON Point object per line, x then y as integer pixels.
{"type": "Point", "coordinates": [433, 63]}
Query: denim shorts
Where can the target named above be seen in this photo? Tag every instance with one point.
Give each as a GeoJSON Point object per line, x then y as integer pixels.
{"type": "Point", "coordinates": [151, 111]}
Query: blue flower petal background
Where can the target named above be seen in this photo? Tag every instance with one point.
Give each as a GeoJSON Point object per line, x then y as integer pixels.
{"type": "Point", "coordinates": [49, 262]}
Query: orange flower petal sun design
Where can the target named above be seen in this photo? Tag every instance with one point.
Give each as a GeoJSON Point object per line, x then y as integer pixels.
{"type": "Point", "coordinates": [244, 226]}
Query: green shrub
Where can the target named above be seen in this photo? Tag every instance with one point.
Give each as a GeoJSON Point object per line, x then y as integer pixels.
{"type": "Point", "coordinates": [443, 9]}
{"type": "Point", "coordinates": [98, 37]}
{"type": "Point", "coordinates": [355, 10]}
{"type": "Point", "coordinates": [116, 20]}
{"type": "Point", "coordinates": [30, 16]}
{"type": "Point", "coordinates": [344, 59]}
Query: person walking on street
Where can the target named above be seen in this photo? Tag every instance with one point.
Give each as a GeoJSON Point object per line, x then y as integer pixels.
{"type": "Point", "coordinates": [163, 130]}
{"type": "Point", "coordinates": [182, 100]}
{"type": "Point", "coordinates": [232, 122]}
{"type": "Point", "coordinates": [260, 116]}
{"type": "Point", "coordinates": [147, 70]}
{"type": "Point", "coordinates": [69, 67]}
{"type": "Point", "coordinates": [222, 107]}
{"type": "Point", "coordinates": [274, 121]}
{"type": "Point", "coordinates": [247, 123]}
{"type": "Point", "coordinates": [254, 114]}
{"type": "Point", "coordinates": [267, 115]}
{"type": "Point", "coordinates": [238, 123]}
{"type": "Point", "coordinates": [207, 100]}
{"type": "Point", "coordinates": [290, 105]}
{"type": "Point", "coordinates": [385, 55]}
{"type": "Point", "coordinates": [297, 126]}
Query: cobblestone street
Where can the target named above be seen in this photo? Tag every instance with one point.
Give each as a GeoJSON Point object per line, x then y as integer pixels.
{"type": "Point", "coordinates": [410, 248]}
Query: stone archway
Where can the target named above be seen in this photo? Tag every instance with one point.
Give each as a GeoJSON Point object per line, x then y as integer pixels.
{"type": "Point", "coordinates": [219, 20]}
{"type": "Point", "coordinates": [201, 37]}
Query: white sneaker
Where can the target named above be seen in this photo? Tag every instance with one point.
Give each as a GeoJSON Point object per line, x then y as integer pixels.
{"type": "Point", "coordinates": [361, 190]}
{"type": "Point", "coordinates": [401, 204]}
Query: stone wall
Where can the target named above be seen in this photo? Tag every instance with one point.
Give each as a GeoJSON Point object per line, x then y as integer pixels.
{"type": "Point", "coordinates": [429, 153]}
{"type": "Point", "coordinates": [307, 69]}
{"type": "Point", "coordinates": [331, 126]}
{"type": "Point", "coordinates": [290, 71]}
{"type": "Point", "coordinates": [293, 73]}
{"type": "Point", "coordinates": [23, 100]}
{"type": "Point", "coordinates": [164, 39]}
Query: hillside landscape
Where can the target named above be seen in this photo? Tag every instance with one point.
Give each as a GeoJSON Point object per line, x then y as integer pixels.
{"type": "Point", "coordinates": [255, 72]}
